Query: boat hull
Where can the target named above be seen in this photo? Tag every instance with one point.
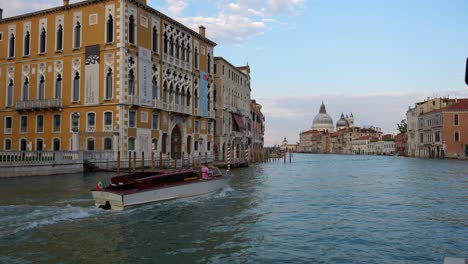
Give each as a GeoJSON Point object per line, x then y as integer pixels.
{"type": "Point", "coordinates": [120, 201]}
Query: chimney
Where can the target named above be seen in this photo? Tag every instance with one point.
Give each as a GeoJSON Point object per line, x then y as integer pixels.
{"type": "Point", "coordinates": [66, 2]}
{"type": "Point", "coordinates": [202, 30]}
{"type": "Point", "coordinates": [1, 14]}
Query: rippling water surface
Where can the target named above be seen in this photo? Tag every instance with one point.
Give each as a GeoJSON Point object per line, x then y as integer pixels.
{"type": "Point", "coordinates": [319, 209]}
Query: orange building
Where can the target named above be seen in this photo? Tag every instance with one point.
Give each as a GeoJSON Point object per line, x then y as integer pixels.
{"type": "Point", "coordinates": [129, 76]}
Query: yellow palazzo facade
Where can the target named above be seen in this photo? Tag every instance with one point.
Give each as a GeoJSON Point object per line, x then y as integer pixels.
{"type": "Point", "coordinates": [105, 75]}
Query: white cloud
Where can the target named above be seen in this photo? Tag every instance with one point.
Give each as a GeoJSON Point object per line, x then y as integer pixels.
{"type": "Point", "coordinates": [288, 116]}
{"type": "Point", "coordinates": [19, 7]}
{"type": "Point", "coordinates": [175, 7]}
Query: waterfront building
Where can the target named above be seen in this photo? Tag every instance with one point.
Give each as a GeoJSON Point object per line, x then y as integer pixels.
{"type": "Point", "coordinates": [412, 116]}
{"type": "Point", "coordinates": [233, 110]}
{"type": "Point", "coordinates": [323, 121]}
{"type": "Point", "coordinates": [258, 128]}
{"type": "Point", "coordinates": [360, 146]}
{"type": "Point", "coordinates": [381, 147]}
{"type": "Point", "coordinates": [289, 147]}
{"type": "Point", "coordinates": [401, 144]}
{"type": "Point", "coordinates": [105, 75]}
{"type": "Point", "coordinates": [444, 132]}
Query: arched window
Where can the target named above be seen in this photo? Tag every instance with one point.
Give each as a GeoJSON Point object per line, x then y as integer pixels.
{"type": "Point", "coordinates": [41, 88]}
{"type": "Point", "coordinates": [42, 41]}
{"type": "Point", "coordinates": [171, 93]}
{"type": "Point", "coordinates": [110, 29]}
{"type": "Point", "coordinates": [165, 92]}
{"type": "Point", "coordinates": [11, 52]}
{"type": "Point", "coordinates": [208, 101]}
{"type": "Point", "coordinates": [188, 98]}
{"type": "Point", "coordinates": [171, 46]}
{"type": "Point", "coordinates": [188, 52]}
{"type": "Point", "coordinates": [58, 87]}
{"type": "Point", "coordinates": [109, 84]}
{"type": "Point", "coordinates": [131, 29]}
{"type": "Point", "coordinates": [91, 121]}
{"type": "Point", "coordinates": [27, 41]}
{"type": "Point", "coordinates": [177, 94]}
{"type": "Point", "coordinates": [196, 57]}
{"type": "Point", "coordinates": [131, 143]}
{"type": "Point", "coordinates": [209, 63]}
{"type": "Point", "coordinates": [77, 43]}
{"type": "Point", "coordinates": [131, 83]}
{"type": "Point", "coordinates": [457, 136]}
{"type": "Point", "coordinates": [182, 47]}
{"type": "Point", "coordinates": [176, 48]}
{"type": "Point", "coordinates": [196, 146]}
{"type": "Point", "coordinates": [90, 144]}
{"type": "Point", "coordinates": [7, 144]}
{"type": "Point", "coordinates": [165, 43]}
{"type": "Point", "coordinates": [108, 144]}
{"type": "Point", "coordinates": [10, 93]}
{"type": "Point", "coordinates": [182, 97]}
{"type": "Point", "coordinates": [76, 87]}
{"type": "Point", "coordinates": [155, 87]}
{"type": "Point", "coordinates": [39, 144]}
{"type": "Point", "coordinates": [25, 89]}
{"type": "Point", "coordinates": [195, 99]}
{"type": "Point", "coordinates": [155, 39]}
{"type": "Point", "coordinates": [23, 144]}
{"type": "Point", "coordinates": [56, 144]}
{"type": "Point", "coordinates": [60, 38]}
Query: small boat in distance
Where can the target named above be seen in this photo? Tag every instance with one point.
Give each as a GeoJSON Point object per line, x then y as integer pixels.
{"type": "Point", "coordinates": [141, 188]}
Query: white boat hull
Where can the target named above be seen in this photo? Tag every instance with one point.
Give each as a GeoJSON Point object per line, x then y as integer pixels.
{"type": "Point", "coordinates": [188, 190]}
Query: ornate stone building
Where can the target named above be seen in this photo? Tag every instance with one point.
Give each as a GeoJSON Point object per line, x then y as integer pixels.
{"type": "Point", "coordinates": [128, 75]}
{"type": "Point", "coordinates": [233, 113]}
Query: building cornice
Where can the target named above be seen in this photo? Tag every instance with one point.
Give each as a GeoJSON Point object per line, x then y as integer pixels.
{"type": "Point", "coordinates": [230, 64]}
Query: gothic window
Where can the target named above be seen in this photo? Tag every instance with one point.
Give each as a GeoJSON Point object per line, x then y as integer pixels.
{"type": "Point", "coordinates": [10, 93]}
{"type": "Point", "coordinates": [155, 88]}
{"type": "Point", "coordinates": [131, 30]}
{"type": "Point", "coordinates": [457, 136]}
{"type": "Point", "coordinates": [171, 47]}
{"type": "Point", "coordinates": [171, 93]}
{"type": "Point", "coordinates": [76, 87]}
{"type": "Point", "coordinates": [27, 41]}
{"type": "Point", "coordinates": [11, 52]}
{"type": "Point", "coordinates": [165, 92]}
{"type": "Point", "coordinates": [42, 41]}
{"type": "Point", "coordinates": [77, 42]}
{"type": "Point", "coordinates": [182, 55]}
{"type": "Point", "coordinates": [165, 43]}
{"type": "Point", "coordinates": [195, 98]}
{"type": "Point", "coordinates": [41, 88]}
{"type": "Point", "coordinates": [155, 39]}
{"type": "Point", "coordinates": [25, 89]}
{"type": "Point", "coordinates": [109, 84]}
{"type": "Point", "coordinates": [131, 83]}
{"type": "Point", "coordinates": [188, 98]}
{"type": "Point", "coordinates": [196, 57]}
{"type": "Point", "coordinates": [177, 48]}
{"type": "Point", "coordinates": [58, 87]}
{"type": "Point", "coordinates": [209, 63]}
{"type": "Point", "coordinates": [110, 30]}
{"type": "Point", "coordinates": [60, 38]}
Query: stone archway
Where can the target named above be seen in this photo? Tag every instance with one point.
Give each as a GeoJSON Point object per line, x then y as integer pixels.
{"type": "Point", "coordinates": [176, 143]}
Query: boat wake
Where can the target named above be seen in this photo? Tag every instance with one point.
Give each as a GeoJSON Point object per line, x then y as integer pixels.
{"type": "Point", "coordinates": [17, 218]}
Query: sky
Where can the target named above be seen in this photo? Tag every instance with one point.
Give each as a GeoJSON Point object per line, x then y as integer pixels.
{"type": "Point", "coordinates": [366, 57]}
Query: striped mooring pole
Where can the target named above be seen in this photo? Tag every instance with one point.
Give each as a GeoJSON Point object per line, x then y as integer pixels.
{"type": "Point", "coordinates": [246, 154]}
{"type": "Point", "coordinates": [229, 159]}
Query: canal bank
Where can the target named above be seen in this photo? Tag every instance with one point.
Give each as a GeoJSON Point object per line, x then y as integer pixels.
{"type": "Point", "coordinates": [317, 209]}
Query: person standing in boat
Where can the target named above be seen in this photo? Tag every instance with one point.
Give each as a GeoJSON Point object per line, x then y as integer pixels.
{"type": "Point", "coordinates": [205, 172]}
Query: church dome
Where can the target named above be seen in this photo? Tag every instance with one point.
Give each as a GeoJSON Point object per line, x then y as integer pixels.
{"type": "Point", "coordinates": [342, 123]}
{"type": "Point", "coordinates": [323, 121]}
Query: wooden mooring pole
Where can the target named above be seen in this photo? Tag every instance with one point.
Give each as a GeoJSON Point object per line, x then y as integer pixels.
{"type": "Point", "coordinates": [142, 161]}
{"type": "Point", "coordinates": [134, 162]}
{"type": "Point", "coordinates": [118, 162]}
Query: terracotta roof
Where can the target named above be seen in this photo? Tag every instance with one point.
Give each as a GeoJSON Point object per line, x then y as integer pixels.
{"type": "Point", "coordinates": [459, 105]}
{"type": "Point", "coordinates": [366, 138]}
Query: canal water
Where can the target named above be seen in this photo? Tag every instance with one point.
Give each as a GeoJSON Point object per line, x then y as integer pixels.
{"type": "Point", "coordinates": [318, 209]}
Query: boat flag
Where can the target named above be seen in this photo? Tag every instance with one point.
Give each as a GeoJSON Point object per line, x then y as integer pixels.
{"type": "Point", "coordinates": [99, 186]}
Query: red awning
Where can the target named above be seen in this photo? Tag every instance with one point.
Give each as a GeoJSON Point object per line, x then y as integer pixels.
{"type": "Point", "coordinates": [239, 121]}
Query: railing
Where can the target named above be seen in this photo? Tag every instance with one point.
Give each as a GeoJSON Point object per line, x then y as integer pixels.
{"type": "Point", "coordinates": [133, 99]}
{"type": "Point", "coordinates": [39, 104]}
{"type": "Point", "coordinates": [94, 156]}
{"type": "Point", "coordinates": [108, 128]}
{"type": "Point", "coordinates": [158, 104]}
{"type": "Point", "coordinates": [10, 157]}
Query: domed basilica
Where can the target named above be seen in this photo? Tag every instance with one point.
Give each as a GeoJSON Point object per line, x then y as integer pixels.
{"type": "Point", "coordinates": [324, 122]}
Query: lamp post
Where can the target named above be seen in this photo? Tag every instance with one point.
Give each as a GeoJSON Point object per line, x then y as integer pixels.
{"type": "Point", "coordinates": [75, 128]}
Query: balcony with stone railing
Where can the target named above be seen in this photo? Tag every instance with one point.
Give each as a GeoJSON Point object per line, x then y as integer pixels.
{"type": "Point", "coordinates": [133, 99]}
{"type": "Point", "coordinates": [44, 104]}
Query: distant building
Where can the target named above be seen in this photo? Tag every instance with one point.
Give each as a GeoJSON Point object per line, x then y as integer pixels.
{"type": "Point", "coordinates": [401, 144]}
{"type": "Point", "coordinates": [258, 127]}
{"type": "Point", "coordinates": [444, 132]}
{"type": "Point", "coordinates": [323, 121]}
{"type": "Point", "coordinates": [286, 146]}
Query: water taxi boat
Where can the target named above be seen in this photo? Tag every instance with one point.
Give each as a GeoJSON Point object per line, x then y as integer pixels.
{"type": "Point", "coordinates": [141, 188]}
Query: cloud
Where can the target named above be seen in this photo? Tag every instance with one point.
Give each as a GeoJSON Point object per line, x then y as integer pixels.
{"type": "Point", "coordinates": [18, 7]}
{"type": "Point", "coordinates": [288, 116]}
{"type": "Point", "coordinates": [234, 22]}
{"type": "Point", "coordinates": [175, 7]}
